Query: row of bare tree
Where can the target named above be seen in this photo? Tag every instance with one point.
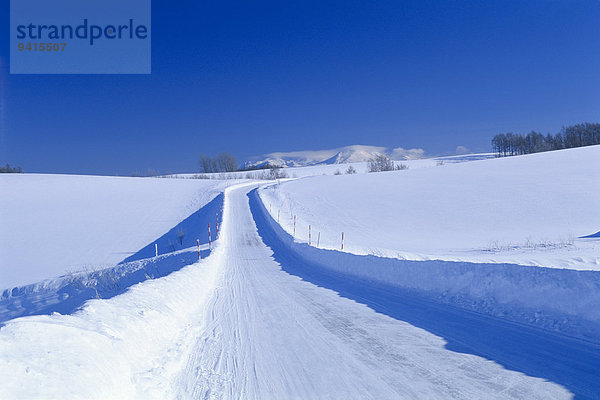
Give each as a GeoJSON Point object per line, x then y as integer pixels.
{"type": "Point", "coordinates": [223, 162]}
{"type": "Point", "coordinates": [510, 144]}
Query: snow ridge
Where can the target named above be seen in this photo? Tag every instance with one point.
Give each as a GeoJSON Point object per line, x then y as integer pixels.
{"type": "Point", "coordinates": [560, 300]}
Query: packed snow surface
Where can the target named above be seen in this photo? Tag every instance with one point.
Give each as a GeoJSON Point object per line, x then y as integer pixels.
{"type": "Point", "coordinates": [54, 224]}
{"type": "Point", "coordinates": [251, 322]}
{"type": "Point", "coordinates": [529, 209]}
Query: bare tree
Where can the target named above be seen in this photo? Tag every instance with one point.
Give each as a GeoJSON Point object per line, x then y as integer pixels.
{"type": "Point", "coordinates": [10, 170]}
{"type": "Point", "coordinates": [207, 164]}
{"type": "Point", "coordinates": [277, 173]}
{"type": "Point", "coordinates": [509, 144]}
{"type": "Point", "coordinates": [226, 162]}
{"type": "Point", "coordinates": [380, 163]}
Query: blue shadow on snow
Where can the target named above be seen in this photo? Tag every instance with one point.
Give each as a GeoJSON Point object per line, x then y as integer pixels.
{"type": "Point", "coordinates": [570, 362]}
{"type": "Point", "coordinates": [68, 294]}
{"type": "Point", "coordinates": [185, 234]}
{"type": "Point", "coordinates": [593, 235]}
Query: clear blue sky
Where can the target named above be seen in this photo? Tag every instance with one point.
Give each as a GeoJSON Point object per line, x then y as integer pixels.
{"type": "Point", "coordinates": [256, 77]}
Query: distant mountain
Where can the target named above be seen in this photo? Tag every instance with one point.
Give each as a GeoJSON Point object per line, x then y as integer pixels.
{"type": "Point", "coordinates": [341, 155]}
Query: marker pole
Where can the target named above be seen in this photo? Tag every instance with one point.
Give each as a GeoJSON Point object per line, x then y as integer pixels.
{"type": "Point", "coordinates": [199, 256]}
{"type": "Point", "coordinates": [342, 240]}
{"type": "Point", "coordinates": [309, 236]}
{"type": "Point", "coordinates": [156, 249]}
{"type": "Point", "coordinates": [209, 238]}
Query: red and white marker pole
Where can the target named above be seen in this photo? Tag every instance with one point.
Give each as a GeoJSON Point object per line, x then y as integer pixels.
{"type": "Point", "coordinates": [342, 240]}
{"type": "Point", "coordinates": [309, 236]}
{"type": "Point", "coordinates": [199, 256]}
{"type": "Point", "coordinates": [209, 238]}
{"type": "Point", "coordinates": [294, 226]}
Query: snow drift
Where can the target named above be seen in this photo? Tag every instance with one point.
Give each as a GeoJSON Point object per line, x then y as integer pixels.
{"type": "Point", "coordinates": [54, 224]}
{"type": "Point", "coordinates": [527, 210]}
{"type": "Point", "coordinates": [129, 346]}
{"type": "Point", "coordinates": [567, 301]}
{"type": "Point", "coordinates": [177, 248]}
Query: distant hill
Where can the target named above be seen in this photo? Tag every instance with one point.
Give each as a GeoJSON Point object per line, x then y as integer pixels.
{"type": "Point", "coordinates": [341, 155]}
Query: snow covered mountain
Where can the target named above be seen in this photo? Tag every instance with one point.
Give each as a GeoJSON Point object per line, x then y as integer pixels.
{"type": "Point", "coordinates": [340, 155]}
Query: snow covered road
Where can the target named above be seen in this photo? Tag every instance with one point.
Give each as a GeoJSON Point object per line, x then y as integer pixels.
{"type": "Point", "coordinates": [254, 322]}
{"type": "Point", "coordinates": [272, 335]}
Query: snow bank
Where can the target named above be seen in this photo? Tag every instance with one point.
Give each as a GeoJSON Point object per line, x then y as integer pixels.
{"type": "Point", "coordinates": [562, 300]}
{"type": "Point", "coordinates": [68, 293]}
{"type": "Point", "coordinates": [527, 210]}
{"type": "Point", "coordinates": [127, 347]}
{"type": "Point", "coordinates": [131, 346]}
{"type": "Point", "coordinates": [52, 224]}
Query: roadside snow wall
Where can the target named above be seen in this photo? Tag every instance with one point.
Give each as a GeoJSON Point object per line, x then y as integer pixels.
{"type": "Point", "coordinates": [562, 300]}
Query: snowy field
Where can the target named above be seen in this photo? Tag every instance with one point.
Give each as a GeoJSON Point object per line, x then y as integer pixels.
{"type": "Point", "coordinates": [528, 210]}
{"type": "Point", "coordinates": [55, 224]}
{"type": "Point", "coordinates": [360, 167]}
{"type": "Point", "coordinates": [251, 321]}
{"type": "Point", "coordinates": [462, 305]}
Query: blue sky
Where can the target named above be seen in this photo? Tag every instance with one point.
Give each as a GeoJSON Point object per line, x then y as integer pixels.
{"type": "Point", "coordinates": [258, 77]}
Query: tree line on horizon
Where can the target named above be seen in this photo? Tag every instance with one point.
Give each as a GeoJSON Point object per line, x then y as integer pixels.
{"type": "Point", "coordinates": [226, 162]}
{"type": "Point", "coordinates": [512, 144]}
{"type": "Point", "coordinates": [223, 162]}
{"type": "Point", "coordinates": [7, 169]}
